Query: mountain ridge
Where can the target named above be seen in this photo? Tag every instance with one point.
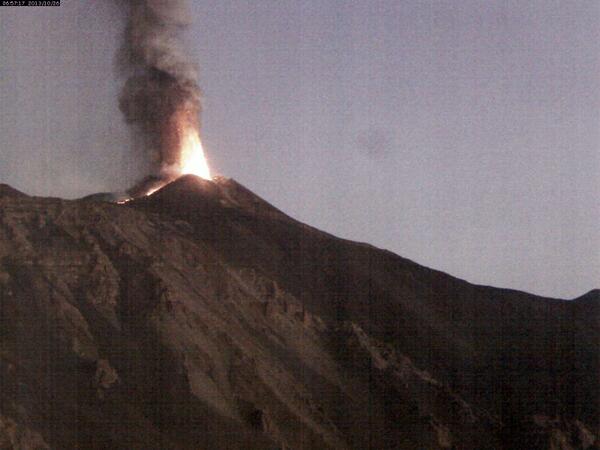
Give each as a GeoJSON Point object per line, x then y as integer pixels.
{"type": "Point", "coordinates": [245, 319]}
{"type": "Point", "coordinates": [230, 184]}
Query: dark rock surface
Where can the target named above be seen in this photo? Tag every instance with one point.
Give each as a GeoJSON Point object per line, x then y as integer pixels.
{"type": "Point", "coordinates": [203, 317]}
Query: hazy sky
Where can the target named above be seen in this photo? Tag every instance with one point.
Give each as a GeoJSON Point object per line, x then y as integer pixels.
{"type": "Point", "coordinates": [463, 134]}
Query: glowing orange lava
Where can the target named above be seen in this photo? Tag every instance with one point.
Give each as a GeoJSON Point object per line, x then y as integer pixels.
{"type": "Point", "coordinates": [193, 161]}
{"type": "Point", "coordinates": [154, 189]}
{"type": "Point", "coordinates": [182, 155]}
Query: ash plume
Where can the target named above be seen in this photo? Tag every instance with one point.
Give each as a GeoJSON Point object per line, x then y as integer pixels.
{"type": "Point", "coordinates": [162, 84]}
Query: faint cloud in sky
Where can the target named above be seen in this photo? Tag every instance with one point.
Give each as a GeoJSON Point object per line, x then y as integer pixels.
{"type": "Point", "coordinates": [376, 143]}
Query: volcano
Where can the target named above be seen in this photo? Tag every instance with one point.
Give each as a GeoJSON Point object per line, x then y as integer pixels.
{"type": "Point", "coordinates": [202, 317]}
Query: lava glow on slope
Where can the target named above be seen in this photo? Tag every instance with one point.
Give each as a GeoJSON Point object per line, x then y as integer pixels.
{"type": "Point", "coordinates": [180, 153]}
{"type": "Point", "coordinates": [191, 161]}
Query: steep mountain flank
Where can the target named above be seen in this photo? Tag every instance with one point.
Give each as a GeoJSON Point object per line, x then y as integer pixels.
{"type": "Point", "coordinates": [203, 317]}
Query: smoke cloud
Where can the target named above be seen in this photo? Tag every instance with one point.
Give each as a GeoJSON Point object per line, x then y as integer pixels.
{"type": "Point", "coordinates": [161, 94]}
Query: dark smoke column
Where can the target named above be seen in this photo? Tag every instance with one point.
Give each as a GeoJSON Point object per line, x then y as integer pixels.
{"type": "Point", "coordinates": [161, 97]}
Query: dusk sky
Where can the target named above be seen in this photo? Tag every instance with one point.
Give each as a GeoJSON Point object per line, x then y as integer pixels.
{"type": "Point", "coordinates": [464, 135]}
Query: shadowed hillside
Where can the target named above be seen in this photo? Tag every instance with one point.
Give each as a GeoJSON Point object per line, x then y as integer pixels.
{"type": "Point", "coordinates": [203, 317]}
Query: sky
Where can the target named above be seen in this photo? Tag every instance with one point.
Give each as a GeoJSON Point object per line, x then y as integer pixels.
{"type": "Point", "coordinates": [462, 135]}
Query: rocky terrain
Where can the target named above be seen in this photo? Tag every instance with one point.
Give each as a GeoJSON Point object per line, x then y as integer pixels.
{"type": "Point", "coordinates": [202, 317]}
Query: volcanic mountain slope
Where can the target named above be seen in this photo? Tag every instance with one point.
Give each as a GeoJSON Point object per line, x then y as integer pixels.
{"type": "Point", "coordinates": [203, 317]}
